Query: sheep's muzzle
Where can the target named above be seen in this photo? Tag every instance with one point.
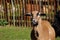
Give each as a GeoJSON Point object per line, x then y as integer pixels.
{"type": "Point", "coordinates": [34, 23]}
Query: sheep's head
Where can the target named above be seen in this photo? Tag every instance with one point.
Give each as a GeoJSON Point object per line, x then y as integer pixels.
{"type": "Point", "coordinates": [35, 16]}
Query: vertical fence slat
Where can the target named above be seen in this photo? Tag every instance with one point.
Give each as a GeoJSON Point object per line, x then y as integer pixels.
{"type": "Point", "coordinates": [13, 9]}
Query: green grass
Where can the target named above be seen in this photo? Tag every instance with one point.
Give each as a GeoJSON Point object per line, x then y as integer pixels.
{"type": "Point", "coordinates": [15, 33]}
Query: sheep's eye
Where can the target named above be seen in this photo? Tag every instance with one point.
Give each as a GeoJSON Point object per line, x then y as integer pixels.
{"type": "Point", "coordinates": [38, 14]}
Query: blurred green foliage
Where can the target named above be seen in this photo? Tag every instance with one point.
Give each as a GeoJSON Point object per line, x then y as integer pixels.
{"type": "Point", "coordinates": [3, 22]}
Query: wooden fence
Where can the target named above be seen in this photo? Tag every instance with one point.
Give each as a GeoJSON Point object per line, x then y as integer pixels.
{"type": "Point", "coordinates": [14, 10]}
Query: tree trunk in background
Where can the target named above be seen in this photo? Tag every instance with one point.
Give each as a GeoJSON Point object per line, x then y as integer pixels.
{"type": "Point", "coordinates": [5, 10]}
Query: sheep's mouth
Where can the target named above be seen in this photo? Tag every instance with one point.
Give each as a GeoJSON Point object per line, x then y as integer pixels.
{"type": "Point", "coordinates": [34, 23]}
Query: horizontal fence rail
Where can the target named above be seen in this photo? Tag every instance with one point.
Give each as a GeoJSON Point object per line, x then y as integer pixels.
{"type": "Point", "coordinates": [14, 11]}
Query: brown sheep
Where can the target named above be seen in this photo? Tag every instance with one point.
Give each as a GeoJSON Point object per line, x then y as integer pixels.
{"type": "Point", "coordinates": [42, 29]}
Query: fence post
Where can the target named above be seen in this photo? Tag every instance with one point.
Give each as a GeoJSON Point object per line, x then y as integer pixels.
{"type": "Point", "coordinates": [13, 8]}
{"type": "Point", "coordinates": [5, 10]}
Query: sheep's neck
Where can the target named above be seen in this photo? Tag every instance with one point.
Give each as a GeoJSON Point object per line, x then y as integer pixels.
{"type": "Point", "coordinates": [39, 22]}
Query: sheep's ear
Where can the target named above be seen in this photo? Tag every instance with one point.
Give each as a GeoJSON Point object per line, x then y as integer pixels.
{"type": "Point", "coordinates": [28, 14]}
{"type": "Point", "coordinates": [42, 14]}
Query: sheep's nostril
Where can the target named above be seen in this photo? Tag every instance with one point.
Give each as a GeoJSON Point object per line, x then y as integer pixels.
{"type": "Point", "coordinates": [34, 23]}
